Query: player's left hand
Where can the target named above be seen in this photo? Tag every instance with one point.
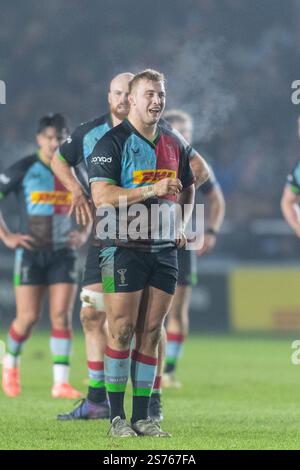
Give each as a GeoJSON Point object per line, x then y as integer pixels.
{"type": "Point", "coordinates": [77, 239]}
{"type": "Point", "coordinates": [181, 240]}
{"type": "Point", "coordinates": [207, 245]}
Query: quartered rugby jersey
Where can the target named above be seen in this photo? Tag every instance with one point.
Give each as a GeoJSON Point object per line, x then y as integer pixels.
{"type": "Point", "coordinates": [44, 202]}
{"type": "Point", "coordinates": [127, 159]}
{"type": "Point", "coordinates": [79, 146]}
{"type": "Point", "coordinates": [293, 179]}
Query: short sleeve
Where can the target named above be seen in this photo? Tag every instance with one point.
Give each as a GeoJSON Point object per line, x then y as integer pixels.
{"type": "Point", "coordinates": [11, 178]}
{"type": "Point", "coordinates": [71, 150]}
{"type": "Point", "coordinates": [185, 172]}
{"type": "Point", "coordinates": [293, 179]}
{"type": "Point", "coordinates": [104, 163]}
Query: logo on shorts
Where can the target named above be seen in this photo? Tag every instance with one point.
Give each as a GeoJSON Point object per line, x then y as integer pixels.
{"type": "Point", "coordinates": [100, 160]}
{"type": "Point", "coordinates": [122, 273]}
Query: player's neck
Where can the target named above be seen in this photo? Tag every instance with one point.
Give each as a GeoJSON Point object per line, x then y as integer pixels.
{"type": "Point", "coordinates": [147, 131]}
{"type": "Point", "coordinates": [44, 158]}
{"type": "Point", "coordinates": [115, 120]}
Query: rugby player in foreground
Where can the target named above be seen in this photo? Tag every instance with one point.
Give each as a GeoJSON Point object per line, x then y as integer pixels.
{"type": "Point", "coordinates": [178, 317]}
{"type": "Point", "coordinates": [73, 154]}
{"type": "Point", "coordinates": [45, 257]}
{"type": "Point", "coordinates": [139, 274]}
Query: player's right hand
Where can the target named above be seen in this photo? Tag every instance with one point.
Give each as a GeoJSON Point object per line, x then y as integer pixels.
{"type": "Point", "coordinates": [82, 208]}
{"type": "Point", "coordinates": [167, 186]}
{"type": "Point", "coordinates": [16, 240]}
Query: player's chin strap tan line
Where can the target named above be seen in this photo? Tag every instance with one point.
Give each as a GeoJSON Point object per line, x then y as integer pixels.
{"type": "Point", "coordinates": [92, 299]}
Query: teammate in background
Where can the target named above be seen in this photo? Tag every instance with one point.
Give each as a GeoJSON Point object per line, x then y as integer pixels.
{"type": "Point", "coordinates": [290, 200]}
{"type": "Point", "coordinates": [139, 275]}
{"type": "Point", "coordinates": [73, 154]}
{"type": "Point", "coordinates": [45, 257]}
{"type": "Point", "coordinates": [178, 317]}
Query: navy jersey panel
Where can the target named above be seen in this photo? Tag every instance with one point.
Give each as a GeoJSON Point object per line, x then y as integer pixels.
{"type": "Point", "coordinates": [44, 203]}
{"type": "Point", "coordinates": [81, 143]}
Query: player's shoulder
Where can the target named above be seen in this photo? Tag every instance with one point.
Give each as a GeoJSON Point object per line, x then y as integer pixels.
{"type": "Point", "coordinates": [166, 129]}
{"type": "Point", "coordinates": [293, 176]}
{"type": "Point", "coordinates": [118, 134]}
{"type": "Point", "coordinates": [24, 163]}
{"type": "Point", "coordinates": [88, 126]}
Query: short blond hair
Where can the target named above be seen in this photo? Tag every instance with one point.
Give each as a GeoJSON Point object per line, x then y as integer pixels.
{"type": "Point", "coordinates": [148, 74]}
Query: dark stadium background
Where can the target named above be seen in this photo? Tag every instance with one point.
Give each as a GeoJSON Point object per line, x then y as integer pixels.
{"type": "Point", "coordinates": [231, 64]}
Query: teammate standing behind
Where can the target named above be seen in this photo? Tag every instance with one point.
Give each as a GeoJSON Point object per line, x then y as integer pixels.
{"type": "Point", "coordinates": [73, 154]}
{"type": "Point", "coordinates": [45, 257]}
{"type": "Point", "coordinates": [178, 317]}
{"type": "Point", "coordinates": [290, 200]}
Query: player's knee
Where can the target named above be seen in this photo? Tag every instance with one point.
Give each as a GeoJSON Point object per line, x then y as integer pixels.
{"type": "Point", "coordinates": [91, 319]}
{"type": "Point", "coordinates": [154, 334]}
{"type": "Point", "coordinates": [29, 320]}
{"type": "Point", "coordinates": [123, 334]}
{"type": "Point", "coordinates": [61, 320]}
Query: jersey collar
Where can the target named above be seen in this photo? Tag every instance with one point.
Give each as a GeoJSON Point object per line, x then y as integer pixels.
{"type": "Point", "coordinates": [153, 143]}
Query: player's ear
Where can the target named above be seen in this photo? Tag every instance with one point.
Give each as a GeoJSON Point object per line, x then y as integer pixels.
{"type": "Point", "coordinates": [131, 99]}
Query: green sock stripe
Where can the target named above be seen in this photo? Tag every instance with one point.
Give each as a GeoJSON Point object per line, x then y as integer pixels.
{"type": "Point", "coordinates": [171, 360]}
{"type": "Point", "coordinates": [142, 392]}
{"type": "Point", "coordinates": [96, 383]}
{"type": "Point", "coordinates": [61, 360]}
{"type": "Point", "coordinates": [12, 353]}
{"type": "Point", "coordinates": [115, 387]}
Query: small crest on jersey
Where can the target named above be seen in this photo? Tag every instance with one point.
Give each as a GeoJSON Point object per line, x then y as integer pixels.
{"type": "Point", "coordinates": [171, 151]}
{"type": "Point", "coordinates": [69, 139]}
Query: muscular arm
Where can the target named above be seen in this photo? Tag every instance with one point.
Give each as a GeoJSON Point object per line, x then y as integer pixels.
{"type": "Point", "coordinates": [13, 240]}
{"type": "Point", "coordinates": [290, 209]}
{"type": "Point", "coordinates": [104, 193]}
{"type": "Point", "coordinates": [65, 174]}
{"type": "Point", "coordinates": [186, 200]}
{"type": "Point", "coordinates": [79, 200]}
{"type": "Point", "coordinates": [199, 168]}
{"type": "Point", "coordinates": [216, 208]}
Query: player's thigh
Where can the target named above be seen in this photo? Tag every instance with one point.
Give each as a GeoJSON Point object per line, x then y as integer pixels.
{"type": "Point", "coordinates": [122, 310]}
{"type": "Point", "coordinates": [91, 279]}
{"type": "Point", "coordinates": [180, 304]}
{"type": "Point", "coordinates": [62, 298]}
{"type": "Point", "coordinates": [155, 309]}
{"type": "Point", "coordinates": [29, 301]}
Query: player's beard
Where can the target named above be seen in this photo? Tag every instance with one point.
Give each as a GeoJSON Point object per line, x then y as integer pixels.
{"type": "Point", "coordinates": [121, 112]}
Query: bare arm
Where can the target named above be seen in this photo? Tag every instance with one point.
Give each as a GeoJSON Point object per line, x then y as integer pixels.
{"type": "Point", "coordinates": [290, 209]}
{"type": "Point", "coordinates": [215, 216]}
{"type": "Point", "coordinates": [13, 240]}
{"type": "Point", "coordinates": [104, 193]}
{"type": "Point", "coordinates": [199, 168]}
{"type": "Point", "coordinates": [79, 200]}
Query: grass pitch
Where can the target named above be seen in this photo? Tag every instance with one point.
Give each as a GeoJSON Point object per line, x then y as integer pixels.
{"type": "Point", "coordinates": [238, 393]}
